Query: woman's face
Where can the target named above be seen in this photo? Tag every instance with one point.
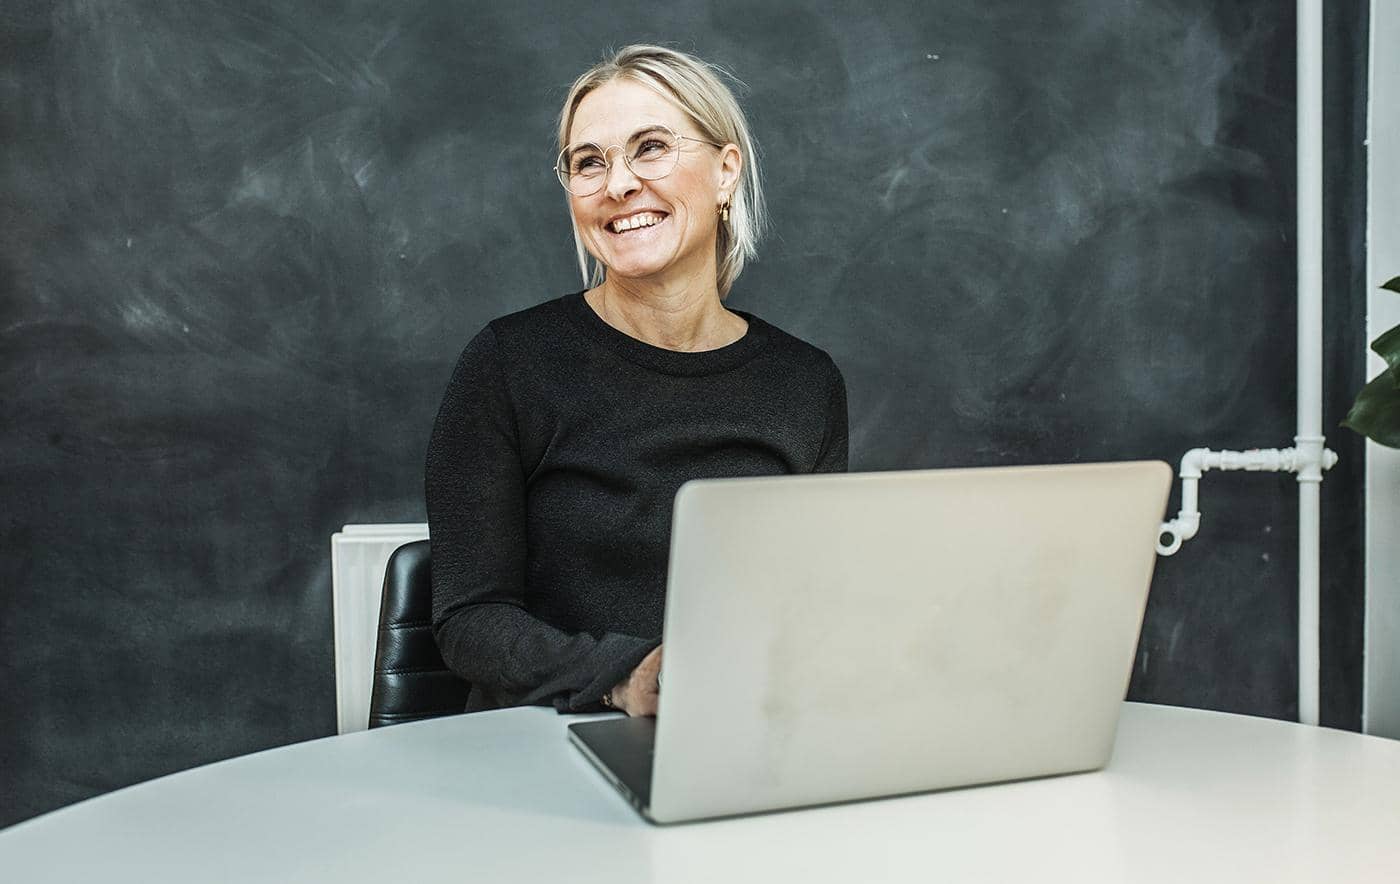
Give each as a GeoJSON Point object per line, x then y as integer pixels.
{"type": "Point", "coordinates": [686, 201]}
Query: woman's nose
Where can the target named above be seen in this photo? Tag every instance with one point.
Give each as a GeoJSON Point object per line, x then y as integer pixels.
{"type": "Point", "coordinates": [621, 182]}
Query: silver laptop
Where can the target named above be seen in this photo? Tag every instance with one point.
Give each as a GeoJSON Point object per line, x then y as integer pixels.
{"type": "Point", "coordinates": [855, 635]}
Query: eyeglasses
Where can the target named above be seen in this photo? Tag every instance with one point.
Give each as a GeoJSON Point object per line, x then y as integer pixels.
{"type": "Point", "coordinates": [650, 153]}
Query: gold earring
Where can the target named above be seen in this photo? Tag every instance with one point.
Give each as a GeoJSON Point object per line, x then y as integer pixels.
{"type": "Point", "coordinates": [724, 211]}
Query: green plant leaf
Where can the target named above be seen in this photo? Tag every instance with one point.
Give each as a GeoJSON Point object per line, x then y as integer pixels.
{"type": "Point", "coordinates": [1393, 285]}
{"type": "Point", "coordinates": [1376, 412]}
{"type": "Point", "coordinates": [1387, 347]}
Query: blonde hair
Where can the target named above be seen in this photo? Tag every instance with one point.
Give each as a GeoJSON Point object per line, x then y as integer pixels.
{"type": "Point", "coordinates": [696, 86]}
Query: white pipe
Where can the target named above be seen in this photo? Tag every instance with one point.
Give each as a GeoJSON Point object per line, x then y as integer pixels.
{"type": "Point", "coordinates": [1309, 439]}
{"type": "Point", "coordinates": [1307, 460]}
{"type": "Point", "coordinates": [1309, 456]}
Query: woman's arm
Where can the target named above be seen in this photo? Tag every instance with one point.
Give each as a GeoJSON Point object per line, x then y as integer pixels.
{"type": "Point", "coordinates": [475, 490]}
{"type": "Point", "coordinates": [835, 454]}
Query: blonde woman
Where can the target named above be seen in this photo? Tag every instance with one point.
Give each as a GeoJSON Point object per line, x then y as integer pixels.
{"type": "Point", "coordinates": [567, 427]}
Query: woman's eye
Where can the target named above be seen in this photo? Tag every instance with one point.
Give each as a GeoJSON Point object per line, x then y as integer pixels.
{"type": "Point", "coordinates": [650, 147]}
{"type": "Point", "coordinates": [584, 164]}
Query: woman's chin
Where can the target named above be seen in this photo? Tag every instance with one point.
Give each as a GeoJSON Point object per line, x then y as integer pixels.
{"type": "Point", "coordinates": [637, 266]}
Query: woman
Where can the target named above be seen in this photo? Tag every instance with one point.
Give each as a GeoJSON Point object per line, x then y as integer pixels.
{"type": "Point", "coordinates": [567, 427]}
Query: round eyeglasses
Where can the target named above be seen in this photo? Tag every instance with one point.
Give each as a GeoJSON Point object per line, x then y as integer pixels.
{"type": "Point", "coordinates": [651, 153]}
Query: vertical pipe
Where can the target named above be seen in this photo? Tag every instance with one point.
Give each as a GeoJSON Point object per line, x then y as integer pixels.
{"type": "Point", "coordinates": [1309, 439]}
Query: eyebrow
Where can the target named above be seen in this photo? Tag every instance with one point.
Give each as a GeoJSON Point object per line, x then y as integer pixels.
{"type": "Point", "coordinates": [649, 127]}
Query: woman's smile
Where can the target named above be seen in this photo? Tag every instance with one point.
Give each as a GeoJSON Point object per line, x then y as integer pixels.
{"type": "Point", "coordinates": [639, 242]}
{"type": "Point", "coordinates": [636, 222]}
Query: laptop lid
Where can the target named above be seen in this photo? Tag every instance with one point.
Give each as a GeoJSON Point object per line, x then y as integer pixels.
{"type": "Point", "coordinates": [842, 636]}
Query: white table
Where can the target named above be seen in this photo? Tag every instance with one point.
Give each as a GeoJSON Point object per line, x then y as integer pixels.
{"type": "Point", "coordinates": [1189, 796]}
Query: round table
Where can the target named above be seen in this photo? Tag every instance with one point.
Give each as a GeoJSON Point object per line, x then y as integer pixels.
{"type": "Point", "coordinates": [1189, 796]}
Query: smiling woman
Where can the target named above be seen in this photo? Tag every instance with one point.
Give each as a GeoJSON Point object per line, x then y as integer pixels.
{"type": "Point", "coordinates": [568, 427]}
{"type": "Point", "coordinates": [691, 102]}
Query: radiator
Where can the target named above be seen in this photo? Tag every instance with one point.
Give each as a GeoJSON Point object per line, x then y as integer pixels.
{"type": "Point", "coordinates": [358, 556]}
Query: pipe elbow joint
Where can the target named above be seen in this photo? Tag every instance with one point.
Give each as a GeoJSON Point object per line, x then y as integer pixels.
{"type": "Point", "coordinates": [1194, 462]}
{"type": "Point", "coordinates": [1176, 532]}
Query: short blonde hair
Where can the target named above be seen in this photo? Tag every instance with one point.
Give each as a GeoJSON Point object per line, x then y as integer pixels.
{"type": "Point", "coordinates": [696, 86]}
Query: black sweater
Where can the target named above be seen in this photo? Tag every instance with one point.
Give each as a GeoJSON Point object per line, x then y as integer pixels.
{"type": "Point", "coordinates": [557, 451]}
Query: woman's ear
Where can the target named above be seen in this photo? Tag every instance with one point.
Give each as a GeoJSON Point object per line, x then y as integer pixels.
{"type": "Point", "coordinates": [731, 165]}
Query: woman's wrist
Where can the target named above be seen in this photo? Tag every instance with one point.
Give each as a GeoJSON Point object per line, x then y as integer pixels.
{"type": "Point", "coordinates": [613, 698]}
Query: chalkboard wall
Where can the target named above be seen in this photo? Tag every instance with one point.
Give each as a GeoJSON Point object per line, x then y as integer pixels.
{"type": "Point", "coordinates": [243, 243]}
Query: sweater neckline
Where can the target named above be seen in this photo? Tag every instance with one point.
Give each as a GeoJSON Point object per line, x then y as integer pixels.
{"type": "Point", "coordinates": [676, 362]}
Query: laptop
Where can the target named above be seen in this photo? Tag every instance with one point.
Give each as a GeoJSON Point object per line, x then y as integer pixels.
{"type": "Point", "coordinates": [844, 636]}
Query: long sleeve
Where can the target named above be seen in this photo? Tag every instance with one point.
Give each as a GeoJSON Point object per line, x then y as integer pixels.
{"type": "Point", "coordinates": [835, 455]}
{"type": "Point", "coordinates": [476, 501]}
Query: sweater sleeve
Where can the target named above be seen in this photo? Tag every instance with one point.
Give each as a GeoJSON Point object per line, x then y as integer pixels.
{"type": "Point", "coordinates": [476, 501]}
{"type": "Point", "coordinates": [835, 454]}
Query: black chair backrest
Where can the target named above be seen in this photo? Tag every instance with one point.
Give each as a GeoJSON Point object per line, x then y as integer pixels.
{"type": "Point", "coordinates": [410, 679]}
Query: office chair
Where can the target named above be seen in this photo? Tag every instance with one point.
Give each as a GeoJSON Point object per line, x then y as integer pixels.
{"type": "Point", "coordinates": [410, 679]}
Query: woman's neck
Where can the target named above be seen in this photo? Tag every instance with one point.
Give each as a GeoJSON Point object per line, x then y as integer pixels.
{"type": "Point", "coordinates": [686, 315]}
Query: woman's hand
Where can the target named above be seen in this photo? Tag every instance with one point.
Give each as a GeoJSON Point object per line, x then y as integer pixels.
{"type": "Point", "coordinates": [639, 693]}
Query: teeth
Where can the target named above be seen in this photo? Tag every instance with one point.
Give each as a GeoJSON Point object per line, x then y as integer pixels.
{"type": "Point", "coordinates": [645, 219]}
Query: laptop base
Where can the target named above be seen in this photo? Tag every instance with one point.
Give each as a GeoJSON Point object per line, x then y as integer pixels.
{"type": "Point", "coordinates": [621, 749]}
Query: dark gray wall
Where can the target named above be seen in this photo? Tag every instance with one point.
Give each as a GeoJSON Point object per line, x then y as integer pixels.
{"type": "Point", "coordinates": [1346, 29]}
{"type": "Point", "coordinates": [243, 243]}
